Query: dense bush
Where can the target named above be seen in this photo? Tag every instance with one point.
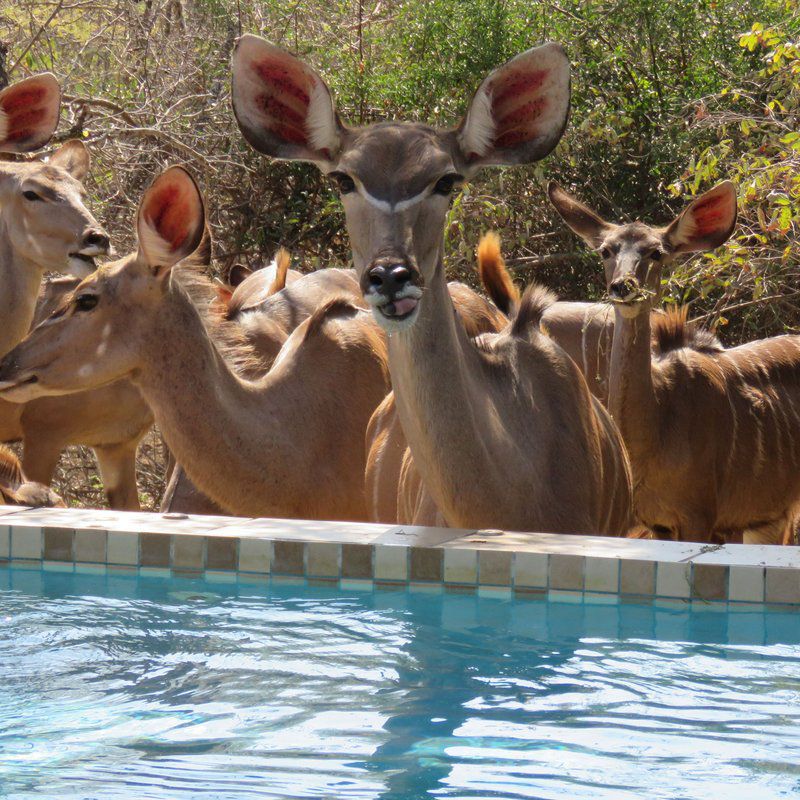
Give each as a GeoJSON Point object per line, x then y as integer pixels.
{"type": "Point", "coordinates": [669, 96]}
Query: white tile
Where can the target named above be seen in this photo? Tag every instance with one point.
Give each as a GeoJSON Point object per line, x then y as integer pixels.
{"type": "Point", "coordinates": [673, 580]}
{"type": "Point", "coordinates": [601, 575]}
{"type": "Point", "coordinates": [530, 569]}
{"type": "Point", "coordinates": [123, 548]}
{"type": "Point", "coordinates": [746, 584]}
{"type": "Point", "coordinates": [26, 542]}
{"type": "Point", "coordinates": [255, 555]}
{"type": "Point", "coordinates": [460, 566]}
{"type": "Point", "coordinates": [390, 563]}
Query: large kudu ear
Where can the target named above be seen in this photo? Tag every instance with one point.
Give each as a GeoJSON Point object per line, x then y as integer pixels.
{"type": "Point", "coordinates": [284, 109]}
{"type": "Point", "coordinates": [706, 222]}
{"type": "Point", "coordinates": [73, 157]}
{"type": "Point", "coordinates": [520, 111]}
{"type": "Point", "coordinates": [170, 221]}
{"type": "Point", "coordinates": [29, 113]}
{"type": "Point", "coordinates": [580, 218]}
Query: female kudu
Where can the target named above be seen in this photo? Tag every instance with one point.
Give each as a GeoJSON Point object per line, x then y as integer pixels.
{"type": "Point", "coordinates": [505, 433]}
{"type": "Point", "coordinates": [713, 436]}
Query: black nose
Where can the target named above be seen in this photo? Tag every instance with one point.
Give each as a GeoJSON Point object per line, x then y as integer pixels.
{"type": "Point", "coordinates": [621, 288]}
{"type": "Point", "coordinates": [97, 238]}
{"type": "Point", "coordinates": [389, 278]}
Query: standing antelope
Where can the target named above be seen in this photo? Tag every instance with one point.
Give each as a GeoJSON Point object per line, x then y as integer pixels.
{"type": "Point", "coordinates": [714, 435]}
{"type": "Point", "coordinates": [44, 224]}
{"type": "Point", "coordinates": [504, 433]}
{"type": "Point", "coordinates": [279, 446]}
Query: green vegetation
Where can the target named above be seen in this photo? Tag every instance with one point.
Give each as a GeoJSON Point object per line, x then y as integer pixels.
{"type": "Point", "coordinates": [669, 96]}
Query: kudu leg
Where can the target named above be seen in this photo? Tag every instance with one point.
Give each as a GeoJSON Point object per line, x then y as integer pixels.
{"type": "Point", "coordinates": [117, 465]}
{"type": "Point", "coordinates": [182, 497]}
{"type": "Point", "coordinates": [40, 457]}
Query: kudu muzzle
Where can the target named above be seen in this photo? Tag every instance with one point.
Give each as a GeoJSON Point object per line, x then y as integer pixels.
{"type": "Point", "coordinates": [392, 285]}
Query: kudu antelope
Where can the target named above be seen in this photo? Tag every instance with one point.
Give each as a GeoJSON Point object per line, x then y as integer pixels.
{"type": "Point", "coordinates": [17, 490]}
{"type": "Point", "coordinates": [111, 420]}
{"type": "Point", "coordinates": [266, 311]}
{"type": "Point", "coordinates": [714, 435]}
{"type": "Point", "coordinates": [275, 447]}
{"type": "Point", "coordinates": [250, 286]}
{"type": "Point", "coordinates": [505, 433]}
{"type": "Point", "coordinates": [44, 223]}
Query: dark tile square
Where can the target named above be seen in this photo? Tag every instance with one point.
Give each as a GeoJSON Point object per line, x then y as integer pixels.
{"type": "Point", "coordinates": [427, 564]}
{"type": "Point", "coordinates": [288, 558]}
{"type": "Point", "coordinates": [357, 560]}
{"type": "Point", "coordinates": [154, 550]}
{"type": "Point", "coordinates": [709, 582]}
{"type": "Point", "coordinates": [58, 544]}
{"type": "Point", "coordinates": [222, 552]}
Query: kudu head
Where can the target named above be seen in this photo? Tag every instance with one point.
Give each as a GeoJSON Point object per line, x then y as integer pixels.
{"type": "Point", "coordinates": [635, 254]}
{"type": "Point", "coordinates": [396, 179]}
{"type": "Point", "coordinates": [42, 209]}
{"type": "Point", "coordinates": [94, 337]}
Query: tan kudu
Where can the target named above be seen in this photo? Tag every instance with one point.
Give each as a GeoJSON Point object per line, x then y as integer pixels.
{"type": "Point", "coordinates": [111, 420]}
{"type": "Point", "coordinates": [713, 436]}
{"type": "Point", "coordinates": [504, 433]}
{"type": "Point", "coordinates": [44, 223]}
{"type": "Point", "coordinates": [277, 446]}
{"type": "Point", "coordinates": [17, 490]}
{"type": "Point", "coordinates": [265, 310]}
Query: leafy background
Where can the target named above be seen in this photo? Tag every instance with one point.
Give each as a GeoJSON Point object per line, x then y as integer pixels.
{"type": "Point", "coordinates": [669, 97]}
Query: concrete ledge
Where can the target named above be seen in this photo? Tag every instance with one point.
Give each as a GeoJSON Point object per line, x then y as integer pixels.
{"type": "Point", "coordinates": [591, 568]}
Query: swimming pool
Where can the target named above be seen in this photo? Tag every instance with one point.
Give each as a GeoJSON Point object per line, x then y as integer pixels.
{"type": "Point", "coordinates": [131, 687]}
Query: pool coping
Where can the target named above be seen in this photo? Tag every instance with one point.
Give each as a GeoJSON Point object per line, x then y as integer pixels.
{"type": "Point", "coordinates": [365, 555]}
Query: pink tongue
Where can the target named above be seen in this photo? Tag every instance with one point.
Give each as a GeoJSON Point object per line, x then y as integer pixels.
{"type": "Point", "coordinates": [403, 306]}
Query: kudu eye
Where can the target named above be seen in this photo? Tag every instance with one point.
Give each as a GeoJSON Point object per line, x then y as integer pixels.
{"type": "Point", "coordinates": [446, 184]}
{"type": "Point", "coordinates": [656, 255]}
{"type": "Point", "coordinates": [344, 183]}
{"type": "Point", "coordinates": [605, 252]}
{"type": "Point", "coordinates": [85, 302]}
{"type": "Point", "coordinates": [32, 196]}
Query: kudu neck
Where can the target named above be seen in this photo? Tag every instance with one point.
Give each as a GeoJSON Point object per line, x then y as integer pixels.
{"type": "Point", "coordinates": [631, 396]}
{"type": "Point", "coordinates": [20, 279]}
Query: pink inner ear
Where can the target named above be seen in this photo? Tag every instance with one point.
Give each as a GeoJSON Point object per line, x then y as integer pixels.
{"type": "Point", "coordinates": [711, 214]}
{"type": "Point", "coordinates": [517, 105]}
{"type": "Point", "coordinates": [25, 112]}
{"type": "Point", "coordinates": [285, 99]}
{"type": "Point", "coordinates": [169, 212]}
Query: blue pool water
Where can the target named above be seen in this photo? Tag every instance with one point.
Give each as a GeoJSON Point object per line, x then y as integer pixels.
{"type": "Point", "coordinates": [123, 688]}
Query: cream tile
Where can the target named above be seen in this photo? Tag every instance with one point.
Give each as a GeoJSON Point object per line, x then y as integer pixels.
{"type": "Point", "coordinates": [563, 596]}
{"type": "Point", "coordinates": [531, 570]}
{"type": "Point", "coordinates": [90, 546]}
{"type": "Point", "coordinates": [746, 584]}
{"type": "Point", "coordinates": [5, 541]}
{"type": "Point", "coordinates": [460, 566]}
{"type": "Point", "coordinates": [390, 563]}
{"type": "Point", "coordinates": [26, 542]}
{"type": "Point", "coordinates": [219, 576]}
{"type": "Point", "coordinates": [673, 580]}
{"type": "Point", "coordinates": [601, 575]}
{"type": "Point", "coordinates": [323, 559]}
{"type": "Point", "coordinates": [495, 592]}
{"type": "Point", "coordinates": [255, 555]}
{"type": "Point", "coordinates": [123, 548]}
